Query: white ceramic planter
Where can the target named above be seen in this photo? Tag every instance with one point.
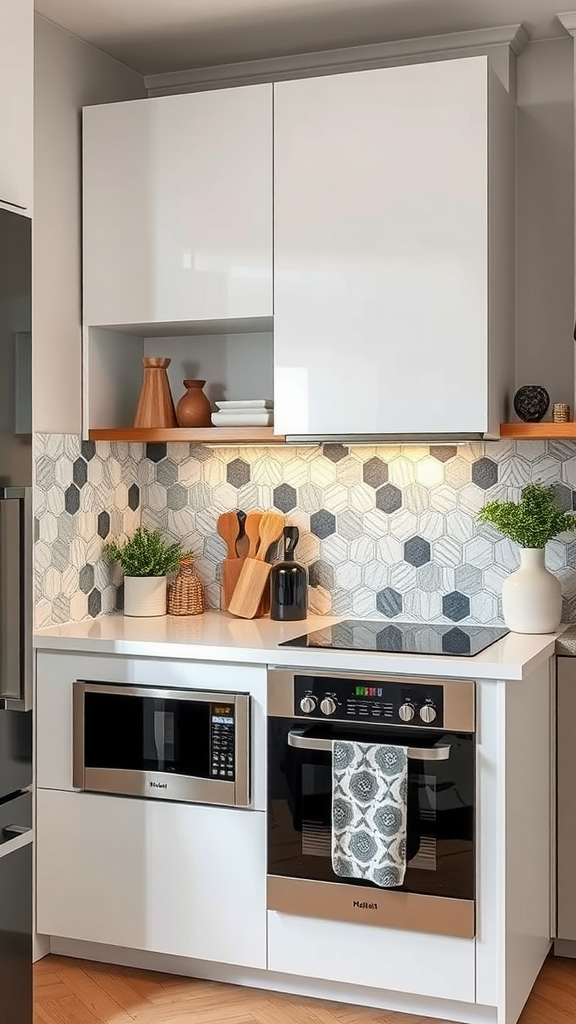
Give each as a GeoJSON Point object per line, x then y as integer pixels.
{"type": "Point", "coordinates": [144, 595]}
{"type": "Point", "coordinates": [531, 597]}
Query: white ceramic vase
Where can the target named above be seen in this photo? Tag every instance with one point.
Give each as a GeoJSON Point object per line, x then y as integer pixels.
{"type": "Point", "coordinates": [144, 595]}
{"type": "Point", "coordinates": [531, 598]}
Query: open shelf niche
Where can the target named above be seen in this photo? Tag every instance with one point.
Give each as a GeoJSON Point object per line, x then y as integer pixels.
{"type": "Point", "coordinates": [236, 359]}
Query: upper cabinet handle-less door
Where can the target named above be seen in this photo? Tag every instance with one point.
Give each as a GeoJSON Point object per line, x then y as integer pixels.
{"type": "Point", "coordinates": [381, 251]}
{"type": "Point", "coordinates": [178, 208]}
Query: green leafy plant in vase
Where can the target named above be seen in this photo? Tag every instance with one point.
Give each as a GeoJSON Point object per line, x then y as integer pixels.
{"type": "Point", "coordinates": [531, 596]}
{"type": "Point", "coordinates": [146, 559]}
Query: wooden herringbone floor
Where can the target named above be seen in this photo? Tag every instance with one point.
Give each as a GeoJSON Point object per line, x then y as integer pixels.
{"type": "Point", "coordinates": [79, 992]}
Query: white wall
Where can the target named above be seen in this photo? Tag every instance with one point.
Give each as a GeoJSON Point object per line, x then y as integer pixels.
{"type": "Point", "coordinates": [545, 218]}
{"type": "Point", "coordinates": [68, 75]}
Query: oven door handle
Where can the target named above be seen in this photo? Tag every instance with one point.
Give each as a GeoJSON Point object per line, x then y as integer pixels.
{"type": "Point", "coordinates": [299, 739]}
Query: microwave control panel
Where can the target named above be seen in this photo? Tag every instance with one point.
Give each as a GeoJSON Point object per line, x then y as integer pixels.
{"type": "Point", "coordinates": [222, 742]}
{"type": "Point", "coordinates": [386, 702]}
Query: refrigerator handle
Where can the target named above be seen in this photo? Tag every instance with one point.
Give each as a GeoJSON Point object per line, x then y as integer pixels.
{"type": "Point", "coordinates": [16, 598]}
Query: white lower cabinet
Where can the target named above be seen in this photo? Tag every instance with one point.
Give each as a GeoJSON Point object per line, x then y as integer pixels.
{"type": "Point", "coordinates": [181, 879]}
{"type": "Point", "coordinates": [372, 957]}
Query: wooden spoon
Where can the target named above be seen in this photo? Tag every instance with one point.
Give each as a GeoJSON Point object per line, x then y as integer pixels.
{"type": "Point", "coordinates": [228, 527]}
{"type": "Point", "coordinates": [252, 531]}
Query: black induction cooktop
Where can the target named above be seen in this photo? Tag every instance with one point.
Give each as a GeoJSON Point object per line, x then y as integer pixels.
{"type": "Point", "coordinates": [401, 638]}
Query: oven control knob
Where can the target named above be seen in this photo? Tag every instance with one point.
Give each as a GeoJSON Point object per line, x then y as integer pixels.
{"type": "Point", "coordinates": [327, 705]}
{"type": "Point", "coordinates": [308, 704]}
{"type": "Point", "coordinates": [427, 713]}
{"type": "Point", "coordinates": [406, 712]}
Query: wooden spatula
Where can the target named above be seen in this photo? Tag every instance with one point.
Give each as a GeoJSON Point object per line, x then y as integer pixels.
{"type": "Point", "coordinates": [256, 570]}
{"type": "Point", "coordinates": [228, 527]}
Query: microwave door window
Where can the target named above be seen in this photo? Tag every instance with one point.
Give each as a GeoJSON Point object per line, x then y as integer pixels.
{"type": "Point", "coordinates": [147, 734]}
{"type": "Point", "coordinates": [160, 747]}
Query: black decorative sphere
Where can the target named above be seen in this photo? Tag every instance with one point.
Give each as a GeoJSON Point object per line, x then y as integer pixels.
{"type": "Point", "coordinates": [531, 403]}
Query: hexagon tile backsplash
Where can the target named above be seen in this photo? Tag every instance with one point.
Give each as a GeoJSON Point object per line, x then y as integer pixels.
{"type": "Point", "coordinates": [386, 531]}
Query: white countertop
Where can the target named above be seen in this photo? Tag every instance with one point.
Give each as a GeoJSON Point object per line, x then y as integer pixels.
{"type": "Point", "coordinates": [217, 636]}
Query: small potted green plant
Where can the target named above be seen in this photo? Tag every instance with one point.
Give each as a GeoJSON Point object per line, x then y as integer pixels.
{"type": "Point", "coordinates": [531, 597]}
{"type": "Point", "coordinates": [145, 559]}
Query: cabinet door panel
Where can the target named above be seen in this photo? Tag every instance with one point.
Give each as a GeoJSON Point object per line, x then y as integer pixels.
{"type": "Point", "coordinates": [165, 877]}
{"type": "Point", "coordinates": [178, 208]}
{"type": "Point", "coordinates": [380, 207]}
{"type": "Point", "coordinates": [381, 958]}
{"type": "Point", "coordinates": [16, 102]}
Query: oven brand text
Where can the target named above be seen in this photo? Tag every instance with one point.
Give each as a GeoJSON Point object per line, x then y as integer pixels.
{"type": "Point", "coordinates": [364, 906]}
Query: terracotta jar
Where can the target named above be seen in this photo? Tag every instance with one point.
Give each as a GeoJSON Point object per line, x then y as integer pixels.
{"type": "Point", "coordinates": [193, 409]}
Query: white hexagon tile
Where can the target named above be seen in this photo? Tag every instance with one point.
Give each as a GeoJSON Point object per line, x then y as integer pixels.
{"type": "Point", "coordinates": [386, 531]}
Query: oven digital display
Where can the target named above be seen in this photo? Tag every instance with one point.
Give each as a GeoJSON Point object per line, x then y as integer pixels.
{"type": "Point", "coordinates": [368, 691]}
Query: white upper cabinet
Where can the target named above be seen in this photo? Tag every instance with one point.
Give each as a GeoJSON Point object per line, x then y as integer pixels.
{"type": "Point", "coordinates": [17, 103]}
{"type": "Point", "coordinates": [178, 208]}
{"type": "Point", "coordinates": [393, 235]}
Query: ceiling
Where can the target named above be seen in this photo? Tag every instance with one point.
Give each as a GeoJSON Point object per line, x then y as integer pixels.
{"type": "Point", "coordinates": [153, 36]}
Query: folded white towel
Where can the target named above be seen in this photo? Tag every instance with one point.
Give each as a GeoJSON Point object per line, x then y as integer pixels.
{"type": "Point", "coordinates": [252, 403]}
{"type": "Point", "coordinates": [256, 418]}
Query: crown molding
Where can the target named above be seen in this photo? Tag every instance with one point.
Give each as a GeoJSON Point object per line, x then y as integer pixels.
{"type": "Point", "coordinates": [568, 21]}
{"type": "Point", "coordinates": [326, 62]}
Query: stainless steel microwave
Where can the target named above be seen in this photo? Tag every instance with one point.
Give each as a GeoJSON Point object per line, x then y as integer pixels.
{"type": "Point", "coordinates": [164, 744]}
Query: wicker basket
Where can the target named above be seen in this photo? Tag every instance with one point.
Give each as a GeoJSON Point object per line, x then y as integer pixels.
{"type": "Point", "coordinates": [186, 592]}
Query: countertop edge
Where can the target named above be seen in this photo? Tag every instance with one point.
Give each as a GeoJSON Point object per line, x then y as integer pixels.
{"type": "Point", "coordinates": [256, 643]}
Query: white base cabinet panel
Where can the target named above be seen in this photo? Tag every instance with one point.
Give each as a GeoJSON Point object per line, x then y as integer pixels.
{"type": "Point", "coordinates": [182, 879]}
{"type": "Point", "coordinates": [381, 958]}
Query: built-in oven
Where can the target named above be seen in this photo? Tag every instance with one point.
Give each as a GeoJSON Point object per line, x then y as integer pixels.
{"type": "Point", "coordinates": [434, 720]}
{"type": "Point", "coordinates": [186, 745]}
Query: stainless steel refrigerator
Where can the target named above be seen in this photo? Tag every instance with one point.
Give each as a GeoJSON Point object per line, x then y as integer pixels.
{"type": "Point", "coordinates": [15, 620]}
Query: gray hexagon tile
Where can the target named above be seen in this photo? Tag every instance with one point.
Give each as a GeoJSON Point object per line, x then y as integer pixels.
{"type": "Point", "coordinates": [443, 452]}
{"type": "Point", "coordinates": [238, 473]}
{"type": "Point", "coordinates": [375, 521]}
{"type": "Point", "coordinates": [456, 606]}
{"type": "Point", "coordinates": [323, 524]}
{"type": "Point", "coordinates": [375, 472]}
{"type": "Point", "coordinates": [389, 498]}
{"type": "Point", "coordinates": [416, 551]}
{"type": "Point", "coordinates": [389, 602]}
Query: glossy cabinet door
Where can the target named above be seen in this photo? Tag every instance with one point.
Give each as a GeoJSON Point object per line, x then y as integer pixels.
{"type": "Point", "coordinates": [183, 879]}
{"type": "Point", "coordinates": [178, 208]}
{"type": "Point", "coordinates": [17, 104]}
{"type": "Point", "coordinates": [381, 251]}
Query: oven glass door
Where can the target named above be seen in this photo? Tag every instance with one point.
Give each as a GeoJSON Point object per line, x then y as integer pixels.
{"type": "Point", "coordinates": [440, 831]}
{"type": "Point", "coordinates": [149, 734]}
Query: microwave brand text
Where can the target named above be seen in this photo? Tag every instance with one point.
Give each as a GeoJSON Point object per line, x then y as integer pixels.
{"type": "Point", "coordinates": [364, 906]}
{"type": "Point", "coordinates": [158, 785]}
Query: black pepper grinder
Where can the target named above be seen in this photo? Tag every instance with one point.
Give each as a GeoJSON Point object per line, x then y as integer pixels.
{"type": "Point", "coordinates": [289, 583]}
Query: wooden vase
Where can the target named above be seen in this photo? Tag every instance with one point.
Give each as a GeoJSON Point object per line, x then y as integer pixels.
{"type": "Point", "coordinates": [193, 409]}
{"type": "Point", "coordinates": [155, 405]}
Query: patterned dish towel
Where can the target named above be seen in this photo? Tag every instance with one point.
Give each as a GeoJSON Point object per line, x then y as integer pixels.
{"type": "Point", "coordinates": [369, 811]}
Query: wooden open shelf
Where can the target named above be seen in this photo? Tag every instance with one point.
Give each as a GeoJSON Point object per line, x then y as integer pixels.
{"type": "Point", "coordinates": [538, 431]}
{"type": "Point", "coordinates": [196, 435]}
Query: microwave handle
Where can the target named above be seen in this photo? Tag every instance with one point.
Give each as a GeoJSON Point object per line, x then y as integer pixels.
{"type": "Point", "coordinates": [301, 741]}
